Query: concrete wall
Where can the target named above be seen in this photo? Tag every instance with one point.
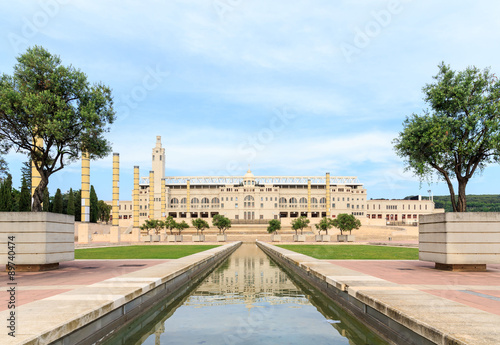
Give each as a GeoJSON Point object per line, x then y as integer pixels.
{"type": "Point", "coordinates": [463, 238]}
{"type": "Point", "coordinates": [40, 237]}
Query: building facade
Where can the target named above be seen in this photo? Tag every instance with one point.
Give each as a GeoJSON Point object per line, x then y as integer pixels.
{"type": "Point", "coordinates": [253, 199]}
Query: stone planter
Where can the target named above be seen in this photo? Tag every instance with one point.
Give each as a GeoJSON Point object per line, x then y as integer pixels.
{"type": "Point", "coordinates": [461, 241]}
{"type": "Point", "coordinates": [276, 238]}
{"type": "Point", "coordinates": [146, 238]}
{"type": "Point", "coordinates": [345, 238]}
{"type": "Point", "coordinates": [155, 238]}
{"type": "Point", "coordinates": [178, 238]}
{"type": "Point", "coordinates": [318, 238]}
{"type": "Point", "coordinates": [299, 238]}
{"type": "Point", "coordinates": [326, 238]}
{"type": "Point", "coordinates": [163, 237]}
{"type": "Point", "coordinates": [198, 238]}
{"type": "Point", "coordinates": [37, 240]}
{"type": "Point", "coordinates": [171, 238]}
{"type": "Point", "coordinates": [221, 238]}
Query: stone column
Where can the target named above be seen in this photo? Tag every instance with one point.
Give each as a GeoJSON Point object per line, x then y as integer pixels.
{"type": "Point", "coordinates": [328, 196]}
{"type": "Point", "coordinates": [135, 200]}
{"type": "Point", "coordinates": [84, 234]}
{"type": "Point", "coordinates": [114, 235]}
{"type": "Point", "coordinates": [151, 205]}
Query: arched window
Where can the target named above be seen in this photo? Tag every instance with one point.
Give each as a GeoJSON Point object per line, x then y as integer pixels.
{"type": "Point", "coordinates": [303, 201]}
{"type": "Point", "coordinates": [322, 201]}
{"type": "Point", "coordinates": [249, 198]}
{"type": "Point", "coordinates": [215, 201]}
{"type": "Point", "coordinates": [282, 201]}
{"type": "Point", "coordinates": [174, 201]}
{"type": "Point", "coordinates": [314, 201]}
{"type": "Point", "coordinates": [183, 200]}
{"type": "Point", "coordinates": [205, 201]}
{"type": "Point", "coordinates": [293, 201]}
{"type": "Point", "coordinates": [195, 201]}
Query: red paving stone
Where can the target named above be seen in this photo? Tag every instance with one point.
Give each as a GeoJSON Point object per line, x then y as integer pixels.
{"type": "Point", "coordinates": [69, 275]}
{"type": "Point", "coordinates": [423, 276]}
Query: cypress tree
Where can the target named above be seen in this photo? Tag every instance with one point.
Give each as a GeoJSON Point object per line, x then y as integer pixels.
{"type": "Point", "coordinates": [58, 202]}
{"type": "Point", "coordinates": [24, 197]}
{"type": "Point", "coordinates": [78, 206]}
{"type": "Point", "coordinates": [6, 194]}
{"type": "Point", "coordinates": [94, 205]}
{"type": "Point", "coordinates": [71, 203]}
{"type": "Point", "coordinates": [46, 200]}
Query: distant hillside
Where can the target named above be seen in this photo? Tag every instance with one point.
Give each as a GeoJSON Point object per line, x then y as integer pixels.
{"type": "Point", "coordinates": [475, 203]}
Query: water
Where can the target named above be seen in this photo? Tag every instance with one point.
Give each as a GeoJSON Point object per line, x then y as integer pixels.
{"type": "Point", "coordinates": [248, 299]}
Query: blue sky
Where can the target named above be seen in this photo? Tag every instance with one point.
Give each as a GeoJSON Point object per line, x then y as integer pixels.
{"type": "Point", "coordinates": [289, 88]}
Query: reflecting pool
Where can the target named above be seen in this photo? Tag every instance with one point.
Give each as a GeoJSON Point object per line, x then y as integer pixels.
{"type": "Point", "coordinates": [248, 299]}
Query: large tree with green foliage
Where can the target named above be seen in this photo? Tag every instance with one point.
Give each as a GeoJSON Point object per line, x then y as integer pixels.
{"type": "Point", "coordinates": [459, 135]}
{"type": "Point", "coordinates": [324, 225]}
{"type": "Point", "coordinates": [45, 100]}
{"type": "Point", "coordinates": [104, 211]}
{"type": "Point", "coordinates": [6, 198]}
{"type": "Point", "coordinates": [221, 222]}
{"type": "Point", "coordinates": [78, 205]}
{"type": "Point", "coordinates": [346, 222]}
{"type": "Point", "coordinates": [181, 226]}
{"type": "Point", "coordinates": [200, 225]}
{"type": "Point", "coordinates": [71, 203]}
{"type": "Point", "coordinates": [274, 226]}
{"type": "Point", "coordinates": [299, 224]}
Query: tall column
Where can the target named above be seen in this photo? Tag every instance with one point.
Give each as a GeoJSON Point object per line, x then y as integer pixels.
{"type": "Point", "coordinates": [309, 197]}
{"type": "Point", "coordinates": [35, 175]}
{"type": "Point", "coordinates": [115, 229]}
{"type": "Point", "coordinates": [85, 187]}
{"type": "Point", "coordinates": [136, 231]}
{"type": "Point", "coordinates": [136, 198]}
{"type": "Point", "coordinates": [328, 195]}
{"type": "Point", "coordinates": [151, 206]}
{"type": "Point", "coordinates": [84, 233]}
{"type": "Point", "coordinates": [188, 200]}
{"type": "Point", "coordinates": [163, 199]}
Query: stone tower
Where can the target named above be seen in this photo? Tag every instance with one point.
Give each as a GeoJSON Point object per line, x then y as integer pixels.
{"type": "Point", "coordinates": [158, 166]}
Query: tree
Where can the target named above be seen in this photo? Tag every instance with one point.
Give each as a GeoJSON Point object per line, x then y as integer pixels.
{"type": "Point", "coordinates": [181, 226]}
{"type": "Point", "coordinates": [104, 211]}
{"type": "Point", "coordinates": [46, 200]}
{"type": "Point", "coordinates": [58, 202]}
{"type": "Point", "coordinates": [71, 203]}
{"type": "Point", "coordinates": [299, 224]}
{"type": "Point", "coordinates": [459, 135]}
{"type": "Point", "coordinates": [94, 205]}
{"type": "Point", "coordinates": [152, 224]}
{"type": "Point", "coordinates": [44, 100]}
{"type": "Point", "coordinates": [346, 222]}
{"type": "Point", "coordinates": [221, 222]}
{"type": "Point", "coordinates": [26, 173]}
{"type": "Point", "coordinates": [169, 223]}
{"type": "Point", "coordinates": [324, 225]}
{"type": "Point", "coordinates": [78, 206]}
{"type": "Point", "coordinates": [24, 197]}
{"type": "Point", "coordinates": [6, 204]}
{"type": "Point", "coordinates": [200, 225]}
{"type": "Point", "coordinates": [274, 226]}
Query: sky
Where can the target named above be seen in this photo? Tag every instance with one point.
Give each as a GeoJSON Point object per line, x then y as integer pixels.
{"type": "Point", "coordinates": [285, 88]}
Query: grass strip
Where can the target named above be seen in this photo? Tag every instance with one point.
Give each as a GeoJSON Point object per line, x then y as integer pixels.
{"type": "Point", "coordinates": [354, 252]}
{"type": "Point", "coordinates": [141, 252]}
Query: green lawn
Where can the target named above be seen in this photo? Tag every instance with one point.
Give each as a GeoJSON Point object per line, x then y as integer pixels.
{"type": "Point", "coordinates": [354, 252]}
{"type": "Point", "coordinates": [141, 252]}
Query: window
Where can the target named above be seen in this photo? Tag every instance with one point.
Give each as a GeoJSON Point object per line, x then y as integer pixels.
{"type": "Point", "coordinates": [322, 201]}
{"type": "Point", "coordinates": [261, 205]}
{"type": "Point", "coordinates": [275, 205]}
{"type": "Point", "coordinates": [236, 205]}
{"type": "Point", "coordinates": [195, 201]}
{"type": "Point", "coordinates": [215, 200]}
{"type": "Point", "coordinates": [282, 201]}
{"type": "Point", "coordinates": [221, 205]}
{"type": "Point", "coordinates": [293, 201]}
{"type": "Point", "coordinates": [303, 201]}
{"type": "Point", "coordinates": [333, 205]}
{"type": "Point", "coordinates": [348, 205]}
{"type": "Point", "coordinates": [183, 200]}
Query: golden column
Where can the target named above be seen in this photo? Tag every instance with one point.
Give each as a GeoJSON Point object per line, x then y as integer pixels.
{"type": "Point", "coordinates": [136, 197]}
{"type": "Point", "coordinates": [151, 206]}
{"type": "Point", "coordinates": [188, 201]}
{"type": "Point", "coordinates": [116, 188]}
{"type": "Point", "coordinates": [35, 175]}
{"type": "Point", "coordinates": [309, 197]}
{"type": "Point", "coordinates": [163, 199]}
{"type": "Point", "coordinates": [328, 197]}
{"type": "Point", "coordinates": [85, 187]}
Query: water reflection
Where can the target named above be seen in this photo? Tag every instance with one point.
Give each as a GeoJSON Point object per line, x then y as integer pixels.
{"type": "Point", "coordinates": [247, 300]}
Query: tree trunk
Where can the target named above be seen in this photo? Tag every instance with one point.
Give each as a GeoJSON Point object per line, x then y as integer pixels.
{"type": "Point", "coordinates": [38, 195]}
{"type": "Point", "coordinates": [462, 202]}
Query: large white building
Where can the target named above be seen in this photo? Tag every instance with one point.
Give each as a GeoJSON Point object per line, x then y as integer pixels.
{"type": "Point", "coordinates": [252, 199]}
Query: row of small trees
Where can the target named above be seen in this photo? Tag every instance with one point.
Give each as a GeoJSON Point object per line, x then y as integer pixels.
{"type": "Point", "coordinates": [219, 221]}
{"type": "Point", "coordinates": [343, 222]}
